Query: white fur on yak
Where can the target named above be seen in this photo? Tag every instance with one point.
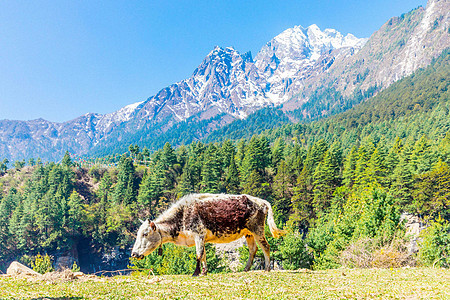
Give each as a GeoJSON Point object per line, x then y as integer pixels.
{"type": "Point", "coordinates": [209, 218]}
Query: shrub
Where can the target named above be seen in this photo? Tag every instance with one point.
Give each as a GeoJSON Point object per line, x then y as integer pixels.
{"type": "Point", "coordinates": [42, 264]}
{"type": "Point", "coordinates": [370, 253]}
{"type": "Point", "coordinates": [75, 267]}
{"type": "Point", "coordinates": [293, 252]}
{"type": "Point", "coordinates": [177, 260]}
{"type": "Point", "coordinates": [435, 246]}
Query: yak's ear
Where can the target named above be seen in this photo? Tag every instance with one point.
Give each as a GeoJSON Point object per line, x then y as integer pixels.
{"type": "Point", "coordinates": [141, 221]}
{"type": "Point", "coordinates": [153, 226]}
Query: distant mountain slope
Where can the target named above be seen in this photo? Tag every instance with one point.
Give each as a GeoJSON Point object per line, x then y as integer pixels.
{"type": "Point", "coordinates": [313, 73]}
{"type": "Point", "coordinates": [398, 48]}
{"type": "Point", "coordinates": [417, 105]}
{"type": "Point", "coordinates": [226, 85]}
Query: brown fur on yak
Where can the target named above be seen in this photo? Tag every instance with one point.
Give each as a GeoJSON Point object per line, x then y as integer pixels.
{"type": "Point", "coordinates": [209, 218]}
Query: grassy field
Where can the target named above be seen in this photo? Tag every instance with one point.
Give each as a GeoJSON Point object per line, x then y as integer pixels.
{"type": "Point", "coordinates": [408, 283]}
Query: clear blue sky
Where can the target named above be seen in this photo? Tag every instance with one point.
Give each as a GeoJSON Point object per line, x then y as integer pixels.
{"type": "Point", "coordinates": [61, 59]}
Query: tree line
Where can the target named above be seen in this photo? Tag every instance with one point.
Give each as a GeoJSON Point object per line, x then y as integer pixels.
{"type": "Point", "coordinates": [314, 190]}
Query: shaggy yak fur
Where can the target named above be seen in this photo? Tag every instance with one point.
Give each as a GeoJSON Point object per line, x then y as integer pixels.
{"type": "Point", "coordinates": [209, 218]}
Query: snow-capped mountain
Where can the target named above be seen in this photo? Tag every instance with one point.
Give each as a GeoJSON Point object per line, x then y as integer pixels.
{"type": "Point", "coordinates": [232, 83]}
{"type": "Point", "coordinates": [227, 85]}
{"type": "Point", "coordinates": [293, 53]}
{"type": "Point", "coordinates": [225, 82]}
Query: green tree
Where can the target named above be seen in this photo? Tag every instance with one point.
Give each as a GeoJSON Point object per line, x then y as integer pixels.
{"type": "Point", "coordinates": [74, 214]}
{"type": "Point", "coordinates": [432, 191]}
{"type": "Point", "coordinates": [282, 190]}
{"type": "Point", "coordinates": [67, 161]}
{"type": "Point", "coordinates": [211, 170]}
{"type": "Point", "coordinates": [125, 190]}
{"type": "Point", "coordinates": [232, 181]}
{"type": "Point", "coordinates": [151, 189]}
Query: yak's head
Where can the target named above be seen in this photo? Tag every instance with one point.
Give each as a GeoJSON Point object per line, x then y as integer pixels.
{"type": "Point", "coordinates": [147, 240]}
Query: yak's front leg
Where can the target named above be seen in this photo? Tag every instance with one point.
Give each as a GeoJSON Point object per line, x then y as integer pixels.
{"type": "Point", "coordinates": [201, 255]}
{"type": "Point", "coordinates": [252, 248]}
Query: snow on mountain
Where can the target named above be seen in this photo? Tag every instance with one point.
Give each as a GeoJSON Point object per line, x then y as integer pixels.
{"type": "Point", "coordinates": [225, 82]}
{"type": "Point", "coordinates": [230, 85]}
{"type": "Point", "coordinates": [122, 115]}
{"type": "Point", "coordinates": [287, 56]}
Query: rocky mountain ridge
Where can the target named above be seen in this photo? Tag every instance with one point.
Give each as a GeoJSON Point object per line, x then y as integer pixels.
{"type": "Point", "coordinates": [228, 85]}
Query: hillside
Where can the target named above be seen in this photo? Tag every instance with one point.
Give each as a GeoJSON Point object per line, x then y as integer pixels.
{"type": "Point", "coordinates": [401, 46]}
{"type": "Point", "coordinates": [411, 107]}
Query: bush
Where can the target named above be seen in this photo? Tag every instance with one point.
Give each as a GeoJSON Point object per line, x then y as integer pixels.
{"type": "Point", "coordinates": [42, 264]}
{"type": "Point", "coordinates": [75, 267]}
{"type": "Point", "coordinates": [369, 253]}
{"type": "Point", "coordinates": [294, 253]}
{"type": "Point", "coordinates": [177, 260]}
{"type": "Point", "coordinates": [435, 246]}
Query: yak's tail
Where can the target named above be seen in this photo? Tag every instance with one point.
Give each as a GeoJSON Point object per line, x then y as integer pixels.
{"type": "Point", "coordinates": [276, 232]}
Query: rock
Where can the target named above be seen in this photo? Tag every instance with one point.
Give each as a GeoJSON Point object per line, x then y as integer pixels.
{"type": "Point", "coordinates": [78, 274]}
{"type": "Point", "coordinates": [16, 268]}
{"type": "Point", "coordinates": [413, 227]}
{"type": "Point", "coordinates": [64, 262]}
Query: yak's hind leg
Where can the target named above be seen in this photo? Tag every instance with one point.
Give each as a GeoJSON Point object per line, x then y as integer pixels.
{"type": "Point", "coordinates": [256, 227]}
{"type": "Point", "coordinates": [262, 242]}
{"type": "Point", "coordinates": [204, 267]}
{"type": "Point", "coordinates": [201, 254]}
{"type": "Point", "coordinates": [251, 251]}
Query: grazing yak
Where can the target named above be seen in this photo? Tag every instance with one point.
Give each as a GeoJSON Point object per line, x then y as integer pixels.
{"type": "Point", "coordinates": [209, 218]}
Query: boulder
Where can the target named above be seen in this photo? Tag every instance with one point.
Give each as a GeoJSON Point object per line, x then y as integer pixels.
{"type": "Point", "coordinates": [64, 262]}
{"type": "Point", "coordinates": [16, 268]}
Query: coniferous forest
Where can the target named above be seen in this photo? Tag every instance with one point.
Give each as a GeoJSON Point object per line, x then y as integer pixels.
{"type": "Point", "coordinates": [341, 186]}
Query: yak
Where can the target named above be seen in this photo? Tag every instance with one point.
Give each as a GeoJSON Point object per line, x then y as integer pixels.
{"type": "Point", "coordinates": [197, 219]}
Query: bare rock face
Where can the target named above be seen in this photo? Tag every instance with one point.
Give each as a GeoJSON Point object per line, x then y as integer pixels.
{"type": "Point", "coordinates": [16, 268]}
{"type": "Point", "coordinates": [64, 262]}
{"type": "Point", "coordinates": [414, 227]}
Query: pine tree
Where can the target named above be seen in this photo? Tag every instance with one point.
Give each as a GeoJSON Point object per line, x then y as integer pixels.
{"type": "Point", "coordinates": [74, 212]}
{"type": "Point", "coordinates": [282, 192]}
{"type": "Point", "coordinates": [254, 185]}
{"type": "Point", "coordinates": [67, 161]}
{"type": "Point", "coordinates": [16, 228]}
{"type": "Point", "coordinates": [7, 207]}
{"type": "Point", "coordinates": [362, 178]}
{"type": "Point", "coordinates": [211, 171]}
{"type": "Point", "coordinates": [151, 189]}
{"type": "Point", "coordinates": [227, 152]}
{"type": "Point", "coordinates": [232, 182]}
{"type": "Point", "coordinates": [431, 192]}
{"type": "Point", "coordinates": [421, 157]}
{"type": "Point", "coordinates": [403, 182]}
{"type": "Point", "coordinates": [278, 152]}
{"type": "Point", "coordinates": [444, 149]}
{"type": "Point", "coordinates": [169, 158]}
{"type": "Point", "coordinates": [302, 202]}
{"type": "Point", "coordinates": [327, 177]}
{"type": "Point", "coordinates": [125, 190]}
{"type": "Point", "coordinates": [105, 189]}
{"type": "Point", "coordinates": [377, 168]}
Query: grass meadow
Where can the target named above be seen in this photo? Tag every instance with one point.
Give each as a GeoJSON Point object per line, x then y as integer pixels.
{"type": "Point", "coordinates": [405, 283]}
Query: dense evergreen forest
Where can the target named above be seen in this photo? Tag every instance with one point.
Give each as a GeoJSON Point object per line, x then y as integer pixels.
{"type": "Point", "coordinates": [339, 185]}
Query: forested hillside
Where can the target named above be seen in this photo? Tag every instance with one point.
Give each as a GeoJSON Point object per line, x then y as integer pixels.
{"type": "Point", "coordinates": [341, 184]}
